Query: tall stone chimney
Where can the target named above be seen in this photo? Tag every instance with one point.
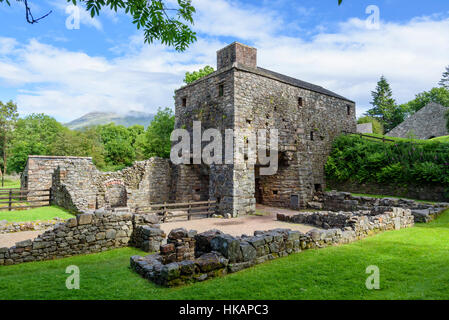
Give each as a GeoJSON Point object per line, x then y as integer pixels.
{"type": "Point", "coordinates": [237, 53]}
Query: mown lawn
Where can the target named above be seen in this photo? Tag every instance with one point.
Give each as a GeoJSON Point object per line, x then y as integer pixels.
{"type": "Point", "coordinates": [413, 263]}
{"type": "Point", "coordinates": [42, 213]}
{"type": "Point", "coordinates": [10, 184]}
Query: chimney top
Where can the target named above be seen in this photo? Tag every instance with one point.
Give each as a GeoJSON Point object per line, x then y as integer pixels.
{"type": "Point", "coordinates": [237, 53]}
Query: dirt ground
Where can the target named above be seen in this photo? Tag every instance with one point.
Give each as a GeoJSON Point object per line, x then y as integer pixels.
{"type": "Point", "coordinates": [264, 220]}
{"type": "Point", "coordinates": [10, 239]}
{"type": "Point", "coordinates": [241, 225]}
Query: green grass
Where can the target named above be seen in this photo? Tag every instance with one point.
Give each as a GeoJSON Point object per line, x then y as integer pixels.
{"type": "Point", "coordinates": [42, 213]}
{"type": "Point", "coordinates": [413, 263]}
{"type": "Point", "coordinates": [10, 184]}
{"type": "Point", "coordinates": [441, 139]}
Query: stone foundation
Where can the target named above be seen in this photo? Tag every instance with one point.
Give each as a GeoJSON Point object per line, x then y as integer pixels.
{"type": "Point", "coordinates": [429, 192]}
{"type": "Point", "coordinates": [217, 254]}
{"type": "Point", "coordinates": [345, 201]}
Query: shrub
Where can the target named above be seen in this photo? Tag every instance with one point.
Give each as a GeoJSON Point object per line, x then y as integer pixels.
{"type": "Point", "coordinates": [405, 162]}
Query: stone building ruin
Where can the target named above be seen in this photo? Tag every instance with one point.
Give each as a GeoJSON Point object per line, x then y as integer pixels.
{"type": "Point", "coordinates": [238, 95]}
{"type": "Point", "coordinates": [241, 95]}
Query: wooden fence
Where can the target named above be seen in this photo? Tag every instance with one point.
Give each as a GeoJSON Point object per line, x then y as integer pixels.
{"type": "Point", "coordinates": [13, 199]}
{"type": "Point", "coordinates": [383, 139]}
{"type": "Point", "coordinates": [186, 209]}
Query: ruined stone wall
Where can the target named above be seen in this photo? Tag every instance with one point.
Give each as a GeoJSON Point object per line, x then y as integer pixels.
{"type": "Point", "coordinates": [217, 254]}
{"type": "Point", "coordinates": [87, 233]}
{"type": "Point", "coordinates": [38, 171]}
{"type": "Point", "coordinates": [363, 223]}
{"type": "Point", "coordinates": [81, 186]}
{"type": "Point", "coordinates": [423, 191]}
{"type": "Point", "coordinates": [190, 183]}
{"type": "Point", "coordinates": [422, 212]}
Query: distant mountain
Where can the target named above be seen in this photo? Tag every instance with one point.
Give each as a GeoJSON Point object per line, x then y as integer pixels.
{"type": "Point", "coordinates": [99, 118]}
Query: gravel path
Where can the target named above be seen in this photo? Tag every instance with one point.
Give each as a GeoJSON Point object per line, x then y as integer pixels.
{"type": "Point", "coordinates": [241, 225]}
{"type": "Point", "coordinates": [10, 239]}
{"type": "Point", "coordinates": [236, 227]}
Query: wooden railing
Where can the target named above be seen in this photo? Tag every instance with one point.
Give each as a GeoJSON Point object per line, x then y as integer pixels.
{"type": "Point", "coordinates": [14, 199]}
{"type": "Point", "coordinates": [199, 208]}
{"type": "Point", "coordinates": [383, 139]}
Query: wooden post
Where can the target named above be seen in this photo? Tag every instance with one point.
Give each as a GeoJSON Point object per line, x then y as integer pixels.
{"type": "Point", "coordinates": [188, 211]}
{"type": "Point", "coordinates": [208, 208]}
{"type": "Point", "coordinates": [50, 197]}
{"type": "Point", "coordinates": [10, 200]}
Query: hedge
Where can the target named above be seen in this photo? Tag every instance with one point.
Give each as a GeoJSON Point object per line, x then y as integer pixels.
{"type": "Point", "coordinates": [356, 159]}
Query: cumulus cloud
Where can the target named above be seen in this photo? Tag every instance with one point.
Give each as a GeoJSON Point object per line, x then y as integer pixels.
{"type": "Point", "coordinates": [349, 61]}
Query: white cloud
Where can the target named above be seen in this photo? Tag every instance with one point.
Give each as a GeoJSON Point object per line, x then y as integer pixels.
{"type": "Point", "coordinates": [349, 61]}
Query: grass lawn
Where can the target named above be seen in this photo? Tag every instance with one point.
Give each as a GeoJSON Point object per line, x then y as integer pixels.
{"type": "Point", "coordinates": [413, 263]}
{"type": "Point", "coordinates": [10, 184]}
{"type": "Point", "coordinates": [42, 213]}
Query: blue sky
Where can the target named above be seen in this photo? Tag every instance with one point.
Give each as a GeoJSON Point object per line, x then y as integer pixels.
{"type": "Point", "coordinates": [105, 66]}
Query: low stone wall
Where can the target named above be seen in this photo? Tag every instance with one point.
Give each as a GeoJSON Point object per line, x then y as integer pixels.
{"type": "Point", "coordinates": [10, 227]}
{"type": "Point", "coordinates": [345, 201]}
{"type": "Point", "coordinates": [363, 223]}
{"type": "Point", "coordinates": [420, 192]}
{"type": "Point", "coordinates": [87, 233]}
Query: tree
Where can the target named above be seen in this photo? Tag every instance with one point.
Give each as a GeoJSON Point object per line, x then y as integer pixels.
{"type": "Point", "coordinates": [444, 82]}
{"type": "Point", "coordinates": [8, 119]}
{"type": "Point", "coordinates": [377, 126]}
{"type": "Point", "coordinates": [33, 135]}
{"type": "Point", "coordinates": [195, 75]}
{"type": "Point", "coordinates": [158, 133]}
{"type": "Point", "coordinates": [384, 106]}
{"type": "Point", "coordinates": [169, 25]}
{"type": "Point", "coordinates": [117, 141]}
{"type": "Point", "coordinates": [437, 95]}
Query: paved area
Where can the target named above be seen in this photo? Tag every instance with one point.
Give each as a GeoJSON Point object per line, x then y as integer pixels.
{"type": "Point", "coordinates": [10, 239]}
{"type": "Point", "coordinates": [265, 220]}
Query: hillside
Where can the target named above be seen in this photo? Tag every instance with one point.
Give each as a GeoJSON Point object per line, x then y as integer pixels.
{"type": "Point", "coordinates": [99, 118]}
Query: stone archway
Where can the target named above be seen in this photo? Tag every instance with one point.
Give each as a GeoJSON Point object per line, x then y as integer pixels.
{"type": "Point", "coordinates": [115, 194]}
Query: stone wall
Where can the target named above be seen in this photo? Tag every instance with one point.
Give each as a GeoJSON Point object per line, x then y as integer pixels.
{"type": "Point", "coordinates": [421, 192]}
{"type": "Point", "coordinates": [243, 97]}
{"type": "Point", "coordinates": [87, 233]}
{"type": "Point", "coordinates": [363, 223]}
{"type": "Point", "coordinates": [80, 186]}
{"type": "Point", "coordinates": [38, 171]}
{"type": "Point", "coordinates": [217, 254]}
{"type": "Point", "coordinates": [336, 201]}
